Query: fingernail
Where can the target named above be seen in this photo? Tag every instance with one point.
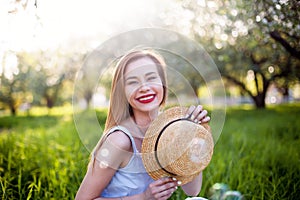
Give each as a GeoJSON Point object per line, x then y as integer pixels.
{"type": "Point", "coordinates": [176, 187]}
{"type": "Point", "coordinates": [179, 182]}
{"type": "Point", "coordinates": [174, 179]}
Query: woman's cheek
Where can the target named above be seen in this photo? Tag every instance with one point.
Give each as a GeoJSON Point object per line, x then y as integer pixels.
{"type": "Point", "coordinates": [129, 92]}
{"type": "Point", "coordinates": [160, 92]}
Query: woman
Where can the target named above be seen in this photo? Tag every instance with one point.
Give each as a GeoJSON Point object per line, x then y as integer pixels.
{"type": "Point", "coordinates": [116, 170]}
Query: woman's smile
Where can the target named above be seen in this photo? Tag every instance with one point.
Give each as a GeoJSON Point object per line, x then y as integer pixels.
{"type": "Point", "coordinates": [146, 98]}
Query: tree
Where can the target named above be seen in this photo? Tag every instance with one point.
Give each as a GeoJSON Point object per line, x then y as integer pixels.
{"type": "Point", "coordinates": [87, 78]}
{"type": "Point", "coordinates": [51, 72]}
{"type": "Point", "coordinates": [13, 81]}
{"type": "Point", "coordinates": [46, 87]}
{"type": "Point", "coordinates": [244, 50]}
{"type": "Point", "coordinates": [280, 20]}
{"type": "Point", "coordinates": [261, 63]}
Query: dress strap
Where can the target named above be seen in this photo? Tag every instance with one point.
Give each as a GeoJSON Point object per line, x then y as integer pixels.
{"type": "Point", "coordinates": [124, 130]}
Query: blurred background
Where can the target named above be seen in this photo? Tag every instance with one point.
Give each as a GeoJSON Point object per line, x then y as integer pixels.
{"type": "Point", "coordinates": [44, 43]}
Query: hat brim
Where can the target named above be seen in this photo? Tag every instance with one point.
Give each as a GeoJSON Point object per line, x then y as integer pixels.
{"type": "Point", "coordinates": [149, 153]}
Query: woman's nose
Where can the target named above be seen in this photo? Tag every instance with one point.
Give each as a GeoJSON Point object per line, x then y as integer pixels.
{"type": "Point", "coordinates": [144, 87]}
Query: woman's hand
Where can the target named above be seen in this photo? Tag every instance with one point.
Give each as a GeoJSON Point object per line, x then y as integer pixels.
{"type": "Point", "coordinates": [197, 114]}
{"type": "Point", "coordinates": [161, 189]}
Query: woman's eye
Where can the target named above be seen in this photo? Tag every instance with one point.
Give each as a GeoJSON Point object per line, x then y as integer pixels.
{"type": "Point", "coordinates": [152, 78]}
{"type": "Point", "coordinates": [132, 82]}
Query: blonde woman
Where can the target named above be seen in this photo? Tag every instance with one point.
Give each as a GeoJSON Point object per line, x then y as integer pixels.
{"type": "Point", "coordinates": [116, 170]}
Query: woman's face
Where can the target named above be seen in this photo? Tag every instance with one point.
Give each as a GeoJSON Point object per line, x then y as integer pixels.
{"type": "Point", "coordinates": [143, 85]}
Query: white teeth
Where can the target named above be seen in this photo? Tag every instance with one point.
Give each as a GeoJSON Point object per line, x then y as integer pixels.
{"type": "Point", "coordinates": [146, 98]}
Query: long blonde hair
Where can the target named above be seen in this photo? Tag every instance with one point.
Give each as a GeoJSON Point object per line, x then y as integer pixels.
{"type": "Point", "coordinates": [119, 108]}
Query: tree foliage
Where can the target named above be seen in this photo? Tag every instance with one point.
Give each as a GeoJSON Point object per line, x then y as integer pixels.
{"type": "Point", "coordinates": [280, 20]}
{"type": "Point", "coordinates": [254, 44]}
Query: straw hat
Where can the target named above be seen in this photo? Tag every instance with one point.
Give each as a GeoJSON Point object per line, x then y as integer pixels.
{"type": "Point", "coordinates": [175, 146]}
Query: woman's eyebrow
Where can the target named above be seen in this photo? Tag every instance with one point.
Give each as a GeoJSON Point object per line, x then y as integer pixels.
{"type": "Point", "coordinates": [130, 77]}
{"type": "Point", "coordinates": [134, 77]}
{"type": "Point", "coordinates": [150, 73]}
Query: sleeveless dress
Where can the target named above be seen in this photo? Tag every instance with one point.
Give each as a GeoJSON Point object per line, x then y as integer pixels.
{"type": "Point", "coordinates": [131, 179]}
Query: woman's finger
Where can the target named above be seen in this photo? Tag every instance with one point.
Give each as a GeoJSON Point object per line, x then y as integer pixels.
{"type": "Point", "coordinates": [205, 119]}
{"type": "Point", "coordinates": [202, 115]}
{"type": "Point", "coordinates": [197, 112]}
{"type": "Point", "coordinates": [162, 186]}
{"type": "Point", "coordinates": [165, 194]}
{"type": "Point", "coordinates": [190, 111]}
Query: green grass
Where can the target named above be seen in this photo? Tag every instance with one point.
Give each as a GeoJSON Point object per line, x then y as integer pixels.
{"type": "Point", "coordinates": [258, 153]}
{"type": "Point", "coordinates": [42, 156]}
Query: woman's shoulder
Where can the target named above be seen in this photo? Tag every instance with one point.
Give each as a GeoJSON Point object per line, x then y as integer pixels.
{"type": "Point", "coordinates": [119, 136]}
{"type": "Point", "coordinates": [119, 139]}
{"type": "Point", "coordinates": [115, 150]}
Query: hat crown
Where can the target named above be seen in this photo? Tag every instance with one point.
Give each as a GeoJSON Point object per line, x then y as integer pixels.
{"type": "Point", "coordinates": [177, 147]}
{"type": "Point", "coordinates": [184, 148]}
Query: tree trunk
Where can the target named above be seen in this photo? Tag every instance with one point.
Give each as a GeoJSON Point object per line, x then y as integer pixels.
{"type": "Point", "coordinates": [259, 100]}
{"type": "Point", "coordinates": [284, 90]}
{"type": "Point", "coordinates": [286, 94]}
{"type": "Point", "coordinates": [50, 102]}
{"type": "Point", "coordinates": [88, 97]}
{"type": "Point", "coordinates": [13, 110]}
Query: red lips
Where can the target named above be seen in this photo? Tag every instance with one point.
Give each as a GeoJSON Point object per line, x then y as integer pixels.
{"type": "Point", "coordinates": [146, 98]}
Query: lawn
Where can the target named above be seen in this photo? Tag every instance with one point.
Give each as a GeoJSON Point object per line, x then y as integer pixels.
{"type": "Point", "coordinates": [42, 156]}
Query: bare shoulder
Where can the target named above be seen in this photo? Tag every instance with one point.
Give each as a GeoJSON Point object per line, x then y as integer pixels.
{"type": "Point", "coordinates": [119, 140]}
{"type": "Point", "coordinates": [115, 150]}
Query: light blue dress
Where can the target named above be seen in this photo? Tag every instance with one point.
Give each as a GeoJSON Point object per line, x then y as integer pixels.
{"type": "Point", "coordinates": [130, 180]}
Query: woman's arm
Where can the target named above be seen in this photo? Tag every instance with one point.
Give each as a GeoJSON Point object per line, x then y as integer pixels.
{"type": "Point", "coordinates": [193, 188]}
{"type": "Point", "coordinates": [161, 189]}
{"type": "Point", "coordinates": [113, 154]}
{"type": "Point", "coordinates": [94, 182]}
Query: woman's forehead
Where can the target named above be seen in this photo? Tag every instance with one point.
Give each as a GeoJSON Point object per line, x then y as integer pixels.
{"type": "Point", "coordinates": [141, 65]}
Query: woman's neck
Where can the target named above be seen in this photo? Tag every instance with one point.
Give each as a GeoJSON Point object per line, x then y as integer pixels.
{"type": "Point", "coordinates": [144, 119]}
